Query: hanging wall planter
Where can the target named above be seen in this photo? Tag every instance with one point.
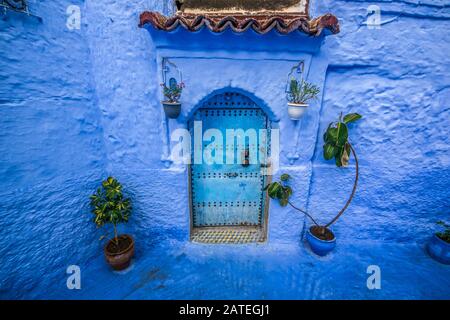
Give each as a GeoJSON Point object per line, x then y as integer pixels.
{"type": "Point", "coordinates": [296, 110]}
{"type": "Point", "coordinates": [172, 93]}
{"type": "Point", "coordinates": [439, 245]}
{"type": "Point", "coordinates": [320, 237]}
{"type": "Point", "coordinates": [173, 86]}
{"type": "Point", "coordinates": [171, 109]}
{"type": "Point", "coordinates": [299, 92]}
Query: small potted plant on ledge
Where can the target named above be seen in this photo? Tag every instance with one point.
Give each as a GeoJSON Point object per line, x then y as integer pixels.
{"type": "Point", "coordinates": [439, 245]}
{"type": "Point", "coordinates": [300, 92]}
{"type": "Point", "coordinates": [172, 93]}
{"type": "Point", "coordinates": [319, 236]}
{"type": "Point", "coordinates": [109, 206]}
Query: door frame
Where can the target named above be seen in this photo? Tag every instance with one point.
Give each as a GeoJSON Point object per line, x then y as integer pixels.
{"type": "Point", "coordinates": [266, 200]}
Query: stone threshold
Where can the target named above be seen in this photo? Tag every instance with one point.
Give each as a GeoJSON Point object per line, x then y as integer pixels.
{"type": "Point", "coordinates": [228, 235]}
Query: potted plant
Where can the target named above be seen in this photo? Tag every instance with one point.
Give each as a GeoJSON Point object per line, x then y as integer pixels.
{"type": "Point", "coordinates": [172, 93]}
{"type": "Point", "coordinates": [439, 245]}
{"type": "Point", "coordinates": [109, 206]}
{"type": "Point", "coordinates": [319, 236]}
{"type": "Point", "coordinates": [300, 92]}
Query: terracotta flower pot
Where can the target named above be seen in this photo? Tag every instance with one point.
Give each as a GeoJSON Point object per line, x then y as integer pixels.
{"type": "Point", "coordinates": [171, 109]}
{"type": "Point", "coordinates": [119, 258]}
{"type": "Point", "coordinates": [296, 110]}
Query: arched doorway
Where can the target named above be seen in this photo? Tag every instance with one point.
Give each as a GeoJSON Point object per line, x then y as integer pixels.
{"type": "Point", "coordinates": [228, 171]}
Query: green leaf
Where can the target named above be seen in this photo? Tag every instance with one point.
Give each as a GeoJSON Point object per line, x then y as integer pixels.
{"type": "Point", "coordinates": [331, 135]}
{"type": "Point", "coordinates": [338, 157]}
{"type": "Point", "coordinates": [280, 193]}
{"type": "Point", "coordinates": [288, 191]}
{"type": "Point", "coordinates": [352, 117]}
{"type": "Point", "coordinates": [273, 190]}
{"type": "Point", "coordinates": [294, 86]}
{"type": "Point", "coordinates": [342, 134]}
{"type": "Point", "coordinates": [283, 202]}
{"type": "Point", "coordinates": [285, 177]}
{"type": "Point", "coordinates": [329, 151]}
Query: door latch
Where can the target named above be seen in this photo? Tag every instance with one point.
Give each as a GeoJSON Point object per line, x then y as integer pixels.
{"type": "Point", "coordinates": [232, 174]}
{"type": "Point", "coordinates": [245, 157]}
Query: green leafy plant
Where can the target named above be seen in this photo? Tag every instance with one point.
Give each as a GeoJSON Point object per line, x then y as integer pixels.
{"type": "Point", "coordinates": [445, 234]}
{"type": "Point", "coordinates": [173, 91]}
{"type": "Point", "coordinates": [279, 190]}
{"type": "Point", "coordinates": [336, 140]}
{"type": "Point", "coordinates": [109, 205]}
{"type": "Point", "coordinates": [336, 145]}
{"type": "Point", "coordinates": [302, 91]}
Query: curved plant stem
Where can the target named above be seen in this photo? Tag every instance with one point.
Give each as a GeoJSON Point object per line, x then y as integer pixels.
{"type": "Point", "coordinates": [353, 191]}
{"type": "Point", "coordinates": [346, 204]}
{"type": "Point", "coordinates": [304, 212]}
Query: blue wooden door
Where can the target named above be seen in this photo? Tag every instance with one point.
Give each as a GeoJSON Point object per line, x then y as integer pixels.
{"type": "Point", "coordinates": [229, 193]}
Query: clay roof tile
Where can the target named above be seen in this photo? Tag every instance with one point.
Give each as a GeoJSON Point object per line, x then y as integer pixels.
{"type": "Point", "coordinates": [284, 23]}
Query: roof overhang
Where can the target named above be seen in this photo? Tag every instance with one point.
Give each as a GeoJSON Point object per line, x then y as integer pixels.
{"type": "Point", "coordinates": [283, 22]}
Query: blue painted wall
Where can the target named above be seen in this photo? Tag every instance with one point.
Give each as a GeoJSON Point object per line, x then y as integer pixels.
{"type": "Point", "coordinates": [397, 77]}
{"type": "Point", "coordinates": [78, 105]}
{"type": "Point", "coordinates": [51, 149]}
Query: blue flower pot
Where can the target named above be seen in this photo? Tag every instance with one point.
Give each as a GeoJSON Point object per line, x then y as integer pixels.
{"type": "Point", "coordinates": [318, 246]}
{"type": "Point", "coordinates": [439, 250]}
{"type": "Point", "coordinates": [172, 109]}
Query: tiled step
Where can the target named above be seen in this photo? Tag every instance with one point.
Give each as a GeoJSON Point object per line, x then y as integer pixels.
{"type": "Point", "coordinates": [229, 235]}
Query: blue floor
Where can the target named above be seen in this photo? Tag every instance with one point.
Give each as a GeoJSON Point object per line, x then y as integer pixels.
{"type": "Point", "coordinates": [196, 271]}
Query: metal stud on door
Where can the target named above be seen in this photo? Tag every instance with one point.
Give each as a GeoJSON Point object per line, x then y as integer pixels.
{"type": "Point", "coordinates": [225, 192]}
